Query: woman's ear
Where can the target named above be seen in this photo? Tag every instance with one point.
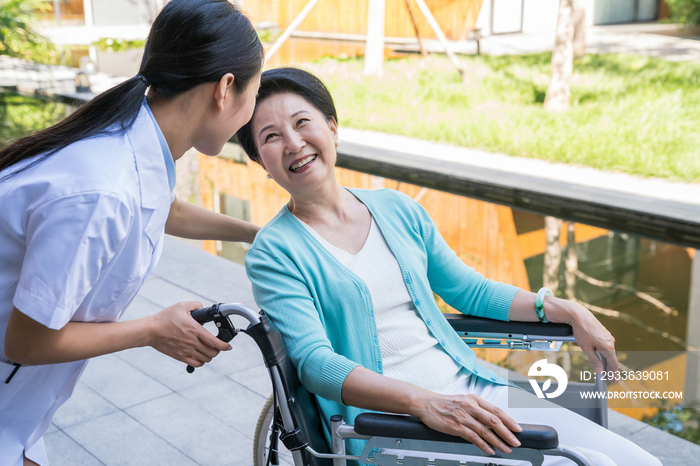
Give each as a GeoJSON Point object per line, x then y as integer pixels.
{"type": "Point", "coordinates": [224, 90]}
{"type": "Point", "coordinates": [333, 125]}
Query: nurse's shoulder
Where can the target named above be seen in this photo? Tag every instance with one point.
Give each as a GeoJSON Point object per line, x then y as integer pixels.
{"type": "Point", "coordinates": [106, 164]}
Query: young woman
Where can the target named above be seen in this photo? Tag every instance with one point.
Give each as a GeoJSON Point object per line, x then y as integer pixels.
{"type": "Point", "coordinates": [348, 276]}
{"type": "Point", "coordinates": [84, 205]}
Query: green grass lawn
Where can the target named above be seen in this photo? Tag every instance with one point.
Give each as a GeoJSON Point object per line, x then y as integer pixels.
{"type": "Point", "coordinates": [631, 114]}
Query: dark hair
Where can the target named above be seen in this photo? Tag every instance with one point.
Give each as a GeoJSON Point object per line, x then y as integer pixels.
{"type": "Point", "coordinates": [191, 42]}
{"type": "Point", "coordinates": [287, 80]}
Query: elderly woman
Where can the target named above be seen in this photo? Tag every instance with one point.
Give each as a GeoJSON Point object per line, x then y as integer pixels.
{"type": "Point", "coordinates": [348, 276]}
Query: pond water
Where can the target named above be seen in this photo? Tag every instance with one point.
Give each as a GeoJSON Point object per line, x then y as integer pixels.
{"type": "Point", "coordinates": [639, 288]}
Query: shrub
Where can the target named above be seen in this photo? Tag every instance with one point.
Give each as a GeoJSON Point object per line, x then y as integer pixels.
{"type": "Point", "coordinates": [17, 36]}
{"type": "Point", "coordinates": [685, 11]}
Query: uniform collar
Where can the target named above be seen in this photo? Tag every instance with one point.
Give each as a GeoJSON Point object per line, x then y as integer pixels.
{"type": "Point", "coordinates": [150, 163]}
{"type": "Point", "coordinates": [167, 156]}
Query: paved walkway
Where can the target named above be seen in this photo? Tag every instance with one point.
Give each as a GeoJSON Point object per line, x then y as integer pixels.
{"type": "Point", "coordinates": [139, 407]}
{"type": "Point", "coordinates": [658, 40]}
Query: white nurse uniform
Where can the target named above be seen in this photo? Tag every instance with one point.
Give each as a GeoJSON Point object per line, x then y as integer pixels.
{"type": "Point", "coordinates": [79, 234]}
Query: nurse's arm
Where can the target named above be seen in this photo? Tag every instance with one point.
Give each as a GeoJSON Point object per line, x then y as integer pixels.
{"type": "Point", "coordinates": [193, 222]}
{"type": "Point", "coordinates": [171, 331]}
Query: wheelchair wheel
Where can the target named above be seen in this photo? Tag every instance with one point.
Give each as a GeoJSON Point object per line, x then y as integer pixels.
{"type": "Point", "coordinates": [266, 443]}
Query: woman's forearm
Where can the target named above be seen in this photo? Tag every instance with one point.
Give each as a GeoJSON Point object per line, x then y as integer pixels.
{"type": "Point", "coordinates": [29, 342]}
{"type": "Point", "coordinates": [193, 222]}
{"type": "Point", "coordinates": [366, 389]}
{"type": "Point", "coordinates": [467, 416]}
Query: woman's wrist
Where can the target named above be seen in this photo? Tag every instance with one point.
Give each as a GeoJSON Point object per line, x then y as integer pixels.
{"type": "Point", "coordinates": [417, 402]}
{"type": "Point", "coordinates": [560, 310]}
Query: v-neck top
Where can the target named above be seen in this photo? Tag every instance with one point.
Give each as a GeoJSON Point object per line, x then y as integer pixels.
{"type": "Point", "coordinates": [409, 352]}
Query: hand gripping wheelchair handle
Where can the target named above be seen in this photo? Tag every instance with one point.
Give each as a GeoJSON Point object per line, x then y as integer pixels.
{"type": "Point", "coordinates": [212, 314]}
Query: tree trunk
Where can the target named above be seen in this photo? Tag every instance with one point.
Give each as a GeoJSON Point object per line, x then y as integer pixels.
{"type": "Point", "coordinates": [571, 261]}
{"type": "Point", "coordinates": [552, 253]}
{"type": "Point", "coordinates": [579, 29]}
{"type": "Point", "coordinates": [557, 98]}
{"type": "Point", "coordinates": [374, 48]}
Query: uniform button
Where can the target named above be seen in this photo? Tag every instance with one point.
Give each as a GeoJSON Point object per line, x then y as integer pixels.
{"type": "Point", "coordinates": [408, 280]}
{"type": "Point", "coordinates": [427, 322]}
{"type": "Point", "coordinates": [442, 342]}
{"type": "Point", "coordinates": [458, 359]}
{"type": "Point", "coordinates": [493, 378]}
{"type": "Point", "coordinates": [417, 303]}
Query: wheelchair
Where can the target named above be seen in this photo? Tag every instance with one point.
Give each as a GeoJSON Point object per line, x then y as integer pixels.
{"type": "Point", "coordinates": [289, 430]}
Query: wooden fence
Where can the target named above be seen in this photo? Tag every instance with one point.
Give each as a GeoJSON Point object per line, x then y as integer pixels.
{"type": "Point", "coordinates": [456, 18]}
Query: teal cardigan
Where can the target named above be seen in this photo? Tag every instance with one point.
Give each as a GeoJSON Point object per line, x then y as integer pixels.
{"type": "Point", "coordinates": [324, 311]}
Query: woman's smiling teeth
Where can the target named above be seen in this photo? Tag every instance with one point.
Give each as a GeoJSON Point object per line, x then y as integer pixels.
{"type": "Point", "coordinates": [302, 163]}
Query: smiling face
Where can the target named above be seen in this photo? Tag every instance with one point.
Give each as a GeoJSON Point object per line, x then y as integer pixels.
{"type": "Point", "coordinates": [296, 143]}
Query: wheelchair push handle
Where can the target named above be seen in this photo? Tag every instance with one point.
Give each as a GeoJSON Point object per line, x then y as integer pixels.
{"type": "Point", "coordinates": [204, 315]}
{"type": "Point", "coordinates": [211, 314]}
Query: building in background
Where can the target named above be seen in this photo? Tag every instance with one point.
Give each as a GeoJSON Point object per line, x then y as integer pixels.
{"type": "Point", "coordinates": [101, 12]}
{"type": "Point", "coordinates": [530, 16]}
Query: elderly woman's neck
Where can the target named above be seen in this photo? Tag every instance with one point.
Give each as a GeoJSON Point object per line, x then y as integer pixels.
{"type": "Point", "coordinates": [330, 205]}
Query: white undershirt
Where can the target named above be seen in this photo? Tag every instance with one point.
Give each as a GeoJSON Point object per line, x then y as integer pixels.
{"type": "Point", "coordinates": [409, 352]}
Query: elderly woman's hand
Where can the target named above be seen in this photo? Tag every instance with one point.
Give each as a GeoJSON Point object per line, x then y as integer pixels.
{"type": "Point", "coordinates": [472, 418]}
{"type": "Point", "coordinates": [466, 416]}
{"type": "Point", "coordinates": [590, 335]}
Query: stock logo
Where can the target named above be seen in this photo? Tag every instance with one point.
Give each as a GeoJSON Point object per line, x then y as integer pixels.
{"type": "Point", "coordinates": [545, 369]}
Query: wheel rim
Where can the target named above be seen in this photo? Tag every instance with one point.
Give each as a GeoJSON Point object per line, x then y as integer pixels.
{"type": "Point", "coordinates": [266, 438]}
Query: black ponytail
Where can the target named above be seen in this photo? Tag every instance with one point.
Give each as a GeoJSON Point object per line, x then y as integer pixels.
{"type": "Point", "coordinates": [191, 42]}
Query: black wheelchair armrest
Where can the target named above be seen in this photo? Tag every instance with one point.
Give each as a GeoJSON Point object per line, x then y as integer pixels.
{"type": "Point", "coordinates": [466, 325]}
{"type": "Point", "coordinates": [409, 427]}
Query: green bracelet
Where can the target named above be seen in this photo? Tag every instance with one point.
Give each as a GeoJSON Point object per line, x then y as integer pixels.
{"type": "Point", "coordinates": [539, 303]}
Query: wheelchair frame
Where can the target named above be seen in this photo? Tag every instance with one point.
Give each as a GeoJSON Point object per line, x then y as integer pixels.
{"type": "Point", "coordinates": [382, 431]}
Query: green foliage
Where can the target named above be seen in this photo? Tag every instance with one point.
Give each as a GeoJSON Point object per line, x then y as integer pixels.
{"type": "Point", "coordinates": [118, 45]}
{"type": "Point", "coordinates": [17, 36]}
{"type": "Point", "coordinates": [685, 11]}
{"type": "Point", "coordinates": [629, 113]}
{"type": "Point", "coordinates": [20, 116]}
{"type": "Point", "coordinates": [682, 422]}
